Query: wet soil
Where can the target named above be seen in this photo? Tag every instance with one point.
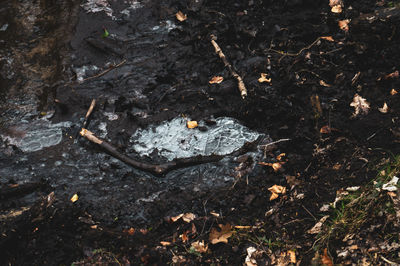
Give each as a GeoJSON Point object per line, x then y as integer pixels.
{"type": "Point", "coordinates": [153, 68]}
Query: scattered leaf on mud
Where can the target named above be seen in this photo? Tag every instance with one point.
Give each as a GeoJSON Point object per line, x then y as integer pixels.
{"type": "Point", "coordinates": [165, 243]}
{"type": "Point", "coordinates": [275, 166]}
{"type": "Point", "coordinates": [344, 24]}
{"type": "Point", "coordinates": [74, 198]}
{"type": "Point", "coordinates": [264, 78]}
{"type": "Point", "coordinates": [323, 83]}
{"type": "Point", "coordinates": [180, 16]}
{"type": "Point", "coordinates": [361, 106]}
{"type": "Point", "coordinates": [200, 246]}
{"type": "Point", "coordinates": [392, 75]}
{"type": "Point", "coordinates": [328, 38]}
{"type": "Point", "coordinates": [391, 185]}
{"type": "Point", "coordinates": [337, 9]}
{"type": "Point", "coordinates": [393, 92]}
{"type": "Point", "coordinates": [292, 255]}
{"type": "Point", "coordinates": [384, 108]}
{"type": "Point", "coordinates": [220, 236]}
{"type": "Point", "coordinates": [130, 231]}
{"type": "Point", "coordinates": [276, 190]}
{"type": "Point", "coordinates": [186, 217]}
{"type": "Point", "coordinates": [316, 229]}
{"type": "Point", "coordinates": [280, 156]}
{"type": "Point", "coordinates": [184, 237]}
{"type": "Point", "coordinates": [216, 80]}
{"type": "Point", "coordinates": [192, 124]}
{"type": "Point", "coordinates": [325, 259]}
{"type": "Point", "coordinates": [325, 130]}
{"type": "Point", "coordinates": [249, 261]}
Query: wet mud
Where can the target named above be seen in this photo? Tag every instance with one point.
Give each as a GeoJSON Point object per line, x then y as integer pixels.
{"type": "Point", "coordinates": [149, 73]}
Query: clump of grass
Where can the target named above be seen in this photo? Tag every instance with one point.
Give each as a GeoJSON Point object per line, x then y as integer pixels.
{"type": "Point", "coordinates": [361, 207]}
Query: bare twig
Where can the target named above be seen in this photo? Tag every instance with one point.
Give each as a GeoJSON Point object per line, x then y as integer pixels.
{"type": "Point", "coordinates": [104, 72]}
{"type": "Point", "coordinates": [88, 113]}
{"type": "Point", "coordinates": [218, 51]}
{"type": "Point", "coordinates": [274, 142]}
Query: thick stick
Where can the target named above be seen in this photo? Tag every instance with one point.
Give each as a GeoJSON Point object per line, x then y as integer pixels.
{"type": "Point", "coordinates": [161, 169]}
{"type": "Point", "coordinates": [218, 51]}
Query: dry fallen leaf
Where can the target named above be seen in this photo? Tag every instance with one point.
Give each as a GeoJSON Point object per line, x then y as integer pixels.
{"type": "Point", "coordinates": [323, 83]}
{"type": "Point", "coordinates": [264, 78]}
{"type": "Point", "coordinates": [184, 237]}
{"type": "Point", "coordinates": [192, 124]}
{"type": "Point", "coordinates": [325, 259]}
{"type": "Point", "coordinates": [393, 92]}
{"type": "Point", "coordinates": [280, 156]}
{"type": "Point", "coordinates": [344, 24]}
{"type": "Point", "coordinates": [292, 255]}
{"type": "Point", "coordinates": [392, 75]}
{"type": "Point", "coordinates": [335, 2]}
{"type": "Point", "coordinates": [216, 80]}
{"type": "Point", "coordinates": [130, 231]}
{"type": "Point", "coordinates": [74, 198]}
{"type": "Point", "coordinates": [165, 243]}
{"type": "Point", "coordinates": [188, 217]}
{"type": "Point", "coordinates": [336, 9]}
{"type": "Point", "coordinates": [361, 106]}
{"type": "Point", "coordinates": [220, 236]}
{"type": "Point", "coordinates": [176, 218]}
{"type": "Point", "coordinates": [180, 16]}
{"type": "Point", "coordinates": [325, 130]}
{"type": "Point", "coordinates": [328, 38]}
{"type": "Point", "coordinates": [276, 190]}
{"type": "Point", "coordinates": [316, 229]}
{"type": "Point", "coordinates": [384, 108]}
{"type": "Point", "coordinates": [200, 246]}
{"type": "Point", "coordinates": [275, 166]}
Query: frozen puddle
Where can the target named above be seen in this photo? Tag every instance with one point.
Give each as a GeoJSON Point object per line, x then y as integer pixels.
{"type": "Point", "coordinates": [172, 139]}
{"type": "Point", "coordinates": [34, 136]}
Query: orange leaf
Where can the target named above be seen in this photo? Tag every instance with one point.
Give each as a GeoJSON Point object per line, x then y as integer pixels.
{"type": "Point", "coordinates": [276, 166]}
{"type": "Point", "coordinates": [180, 16]}
{"type": "Point", "coordinates": [264, 78]}
{"type": "Point", "coordinates": [165, 243]}
{"type": "Point", "coordinates": [326, 260]}
{"type": "Point", "coordinates": [200, 246]}
{"type": "Point", "coordinates": [280, 156]}
{"type": "Point", "coordinates": [184, 237]}
{"type": "Point", "coordinates": [337, 9]}
{"type": "Point", "coordinates": [221, 236]}
{"type": "Point", "coordinates": [74, 198]}
{"type": "Point", "coordinates": [216, 80]}
{"type": "Point", "coordinates": [292, 255]}
{"type": "Point", "coordinates": [325, 130]}
{"type": "Point", "coordinates": [323, 83]}
{"type": "Point", "coordinates": [393, 92]}
{"type": "Point", "coordinates": [328, 38]}
{"type": "Point", "coordinates": [276, 190]}
{"type": "Point", "coordinates": [344, 24]}
{"type": "Point", "coordinates": [191, 124]}
{"type": "Point", "coordinates": [273, 196]}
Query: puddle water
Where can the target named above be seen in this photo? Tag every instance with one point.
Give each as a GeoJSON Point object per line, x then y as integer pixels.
{"type": "Point", "coordinates": [32, 149]}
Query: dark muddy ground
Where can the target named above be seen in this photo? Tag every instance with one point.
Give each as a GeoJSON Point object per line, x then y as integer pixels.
{"type": "Point", "coordinates": [53, 63]}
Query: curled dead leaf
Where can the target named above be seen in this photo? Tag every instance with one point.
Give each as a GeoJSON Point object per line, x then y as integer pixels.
{"type": "Point", "coordinates": [316, 229]}
{"type": "Point", "coordinates": [325, 259]}
{"type": "Point", "coordinates": [220, 236]}
{"type": "Point", "coordinates": [192, 124]}
{"type": "Point", "coordinates": [130, 231]}
{"type": "Point", "coordinates": [325, 130]}
{"type": "Point", "coordinates": [384, 108]}
{"type": "Point", "coordinates": [344, 24]}
{"type": "Point", "coordinates": [184, 237]}
{"type": "Point", "coordinates": [74, 198]}
{"type": "Point", "coordinates": [360, 104]}
{"type": "Point", "coordinates": [216, 80]}
{"type": "Point", "coordinates": [186, 217]}
{"type": "Point", "coordinates": [323, 83]}
{"type": "Point", "coordinates": [200, 246]}
{"type": "Point", "coordinates": [276, 190]}
{"type": "Point", "coordinates": [276, 166]}
{"type": "Point", "coordinates": [180, 16]}
{"type": "Point", "coordinates": [328, 38]}
{"type": "Point", "coordinates": [280, 156]}
{"type": "Point", "coordinates": [264, 78]}
{"type": "Point", "coordinates": [337, 9]}
{"type": "Point", "coordinates": [393, 92]}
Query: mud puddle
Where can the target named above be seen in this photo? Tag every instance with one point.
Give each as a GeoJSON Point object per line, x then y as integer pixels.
{"type": "Point", "coordinates": [140, 78]}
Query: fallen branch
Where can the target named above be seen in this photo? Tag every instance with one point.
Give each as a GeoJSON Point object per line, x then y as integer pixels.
{"type": "Point", "coordinates": [160, 169]}
{"type": "Point", "coordinates": [218, 51]}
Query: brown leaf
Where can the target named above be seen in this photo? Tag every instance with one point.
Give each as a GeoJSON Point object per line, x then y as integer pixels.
{"type": "Point", "coordinates": [325, 130]}
{"type": "Point", "coordinates": [337, 9]}
{"type": "Point", "coordinates": [275, 166]}
{"type": "Point", "coordinates": [192, 124]}
{"type": "Point", "coordinates": [393, 92]}
{"type": "Point", "coordinates": [392, 75]}
{"type": "Point", "coordinates": [176, 218]}
{"type": "Point", "coordinates": [292, 255]}
{"type": "Point", "coordinates": [333, 3]}
{"type": "Point", "coordinates": [130, 231]}
{"type": "Point", "coordinates": [180, 16]}
{"type": "Point", "coordinates": [216, 80]}
{"type": "Point", "coordinates": [326, 260]}
{"type": "Point", "coordinates": [361, 106]}
{"type": "Point", "coordinates": [184, 237]}
{"type": "Point", "coordinates": [384, 108]}
{"type": "Point", "coordinates": [74, 198]}
{"type": "Point", "coordinates": [188, 217]}
{"type": "Point", "coordinates": [323, 83]}
{"type": "Point", "coordinates": [200, 246]}
{"type": "Point", "coordinates": [220, 236]}
{"type": "Point", "coordinates": [344, 24]}
{"type": "Point", "coordinates": [276, 190]}
{"type": "Point", "coordinates": [328, 38]}
{"type": "Point", "coordinates": [318, 226]}
{"type": "Point", "coordinates": [280, 156]}
{"type": "Point", "coordinates": [165, 243]}
{"type": "Point", "coordinates": [264, 78]}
